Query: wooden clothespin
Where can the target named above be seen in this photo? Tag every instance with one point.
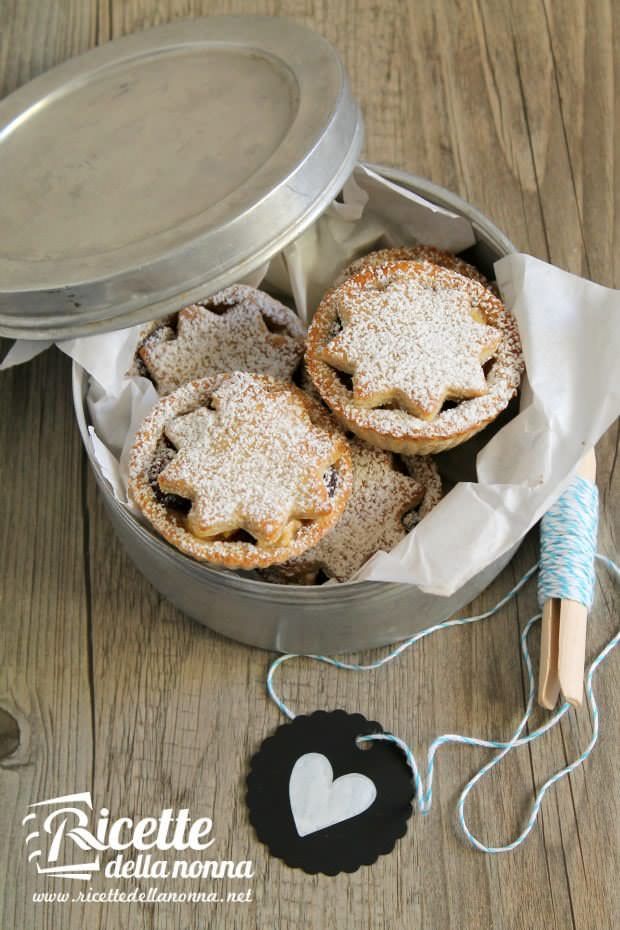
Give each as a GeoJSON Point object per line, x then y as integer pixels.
{"type": "Point", "coordinates": [563, 636]}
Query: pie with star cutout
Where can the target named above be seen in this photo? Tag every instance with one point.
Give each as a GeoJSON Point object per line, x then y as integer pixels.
{"type": "Point", "coordinates": [413, 357]}
{"type": "Point", "coordinates": [240, 470]}
{"type": "Point", "coordinates": [237, 329]}
{"type": "Point", "coordinates": [390, 496]}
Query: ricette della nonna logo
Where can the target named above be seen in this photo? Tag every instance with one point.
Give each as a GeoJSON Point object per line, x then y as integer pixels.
{"type": "Point", "coordinates": [67, 838]}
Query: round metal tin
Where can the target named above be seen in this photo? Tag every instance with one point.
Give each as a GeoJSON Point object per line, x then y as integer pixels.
{"type": "Point", "coordinates": [163, 166]}
{"type": "Point", "coordinates": [293, 618]}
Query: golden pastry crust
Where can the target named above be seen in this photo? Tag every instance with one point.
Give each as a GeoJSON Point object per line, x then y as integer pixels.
{"type": "Point", "coordinates": [414, 253]}
{"type": "Point", "coordinates": [393, 343]}
{"type": "Point", "coordinates": [386, 502]}
{"type": "Point", "coordinates": [237, 329]}
{"type": "Point", "coordinates": [239, 470]}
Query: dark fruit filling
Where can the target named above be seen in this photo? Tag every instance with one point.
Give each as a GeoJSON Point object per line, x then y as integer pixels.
{"type": "Point", "coordinates": [345, 379]}
{"type": "Point", "coordinates": [164, 454]}
{"type": "Point", "coordinates": [410, 519]}
{"type": "Point", "coordinates": [335, 328]}
{"type": "Point", "coordinates": [213, 307]}
{"type": "Point", "coordinates": [142, 369]}
{"type": "Point", "coordinates": [399, 465]}
{"type": "Point", "coordinates": [448, 405]}
{"type": "Point", "coordinates": [273, 326]}
{"type": "Point", "coordinates": [331, 480]}
{"type": "Point", "coordinates": [240, 535]}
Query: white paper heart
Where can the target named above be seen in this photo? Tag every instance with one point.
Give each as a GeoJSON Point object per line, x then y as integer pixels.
{"type": "Point", "coordinates": [317, 801]}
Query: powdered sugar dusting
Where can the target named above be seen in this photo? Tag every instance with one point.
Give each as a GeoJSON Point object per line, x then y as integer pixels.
{"type": "Point", "coordinates": [396, 428]}
{"type": "Point", "coordinates": [253, 462]}
{"type": "Point", "coordinates": [408, 341]}
{"type": "Point", "coordinates": [253, 452]}
{"type": "Point", "coordinates": [237, 329]}
{"type": "Point", "coordinates": [384, 505]}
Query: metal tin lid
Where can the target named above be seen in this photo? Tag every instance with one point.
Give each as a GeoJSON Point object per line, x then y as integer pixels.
{"type": "Point", "coordinates": [160, 167]}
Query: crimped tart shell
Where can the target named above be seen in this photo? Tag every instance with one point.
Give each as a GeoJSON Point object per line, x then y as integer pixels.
{"type": "Point", "coordinates": [170, 523]}
{"type": "Point", "coordinates": [396, 429]}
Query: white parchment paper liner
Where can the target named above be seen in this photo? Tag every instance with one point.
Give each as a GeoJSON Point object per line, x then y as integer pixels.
{"type": "Point", "coordinates": [570, 329]}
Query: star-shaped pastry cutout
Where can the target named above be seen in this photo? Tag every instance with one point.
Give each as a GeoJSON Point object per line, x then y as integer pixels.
{"type": "Point", "coordinates": [373, 517]}
{"type": "Point", "coordinates": [410, 343]}
{"type": "Point", "coordinates": [252, 460]}
{"type": "Point", "coordinates": [240, 329]}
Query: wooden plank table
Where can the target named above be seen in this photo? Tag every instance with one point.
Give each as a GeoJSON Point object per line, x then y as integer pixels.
{"type": "Point", "coordinates": [107, 688]}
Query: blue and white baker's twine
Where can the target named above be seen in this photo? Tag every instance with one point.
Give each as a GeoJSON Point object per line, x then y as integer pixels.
{"type": "Point", "coordinates": [568, 544]}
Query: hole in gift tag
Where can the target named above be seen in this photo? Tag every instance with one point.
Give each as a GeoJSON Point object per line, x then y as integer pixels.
{"type": "Point", "coordinates": [364, 746]}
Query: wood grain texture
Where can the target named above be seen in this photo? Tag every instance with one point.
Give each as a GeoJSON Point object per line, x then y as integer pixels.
{"type": "Point", "coordinates": [511, 104]}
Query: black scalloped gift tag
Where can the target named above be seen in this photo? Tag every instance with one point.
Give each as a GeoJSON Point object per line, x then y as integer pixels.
{"type": "Point", "coordinates": [321, 802]}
